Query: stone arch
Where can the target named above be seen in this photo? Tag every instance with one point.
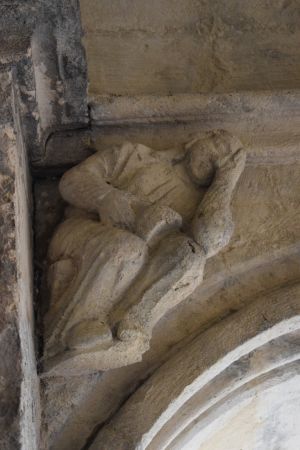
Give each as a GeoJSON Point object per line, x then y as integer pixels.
{"type": "Point", "coordinates": [257, 346]}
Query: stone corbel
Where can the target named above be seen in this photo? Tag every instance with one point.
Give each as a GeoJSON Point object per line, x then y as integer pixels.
{"type": "Point", "coordinates": [140, 226]}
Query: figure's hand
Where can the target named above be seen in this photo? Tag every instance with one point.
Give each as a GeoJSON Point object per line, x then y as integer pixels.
{"type": "Point", "coordinates": [208, 155]}
{"type": "Point", "coordinates": [119, 208]}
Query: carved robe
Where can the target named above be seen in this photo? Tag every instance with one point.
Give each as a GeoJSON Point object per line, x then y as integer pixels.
{"type": "Point", "coordinates": [134, 246]}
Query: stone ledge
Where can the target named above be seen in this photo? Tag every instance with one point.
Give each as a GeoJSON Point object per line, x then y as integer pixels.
{"type": "Point", "coordinates": [230, 107]}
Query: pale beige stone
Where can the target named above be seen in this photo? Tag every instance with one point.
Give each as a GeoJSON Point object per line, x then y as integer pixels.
{"type": "Point", "coordinates": [188, 399]}
{"type": "Point", "coordinates": [114, 279]}
{"type": "Point", "coordinates": [171, 46]}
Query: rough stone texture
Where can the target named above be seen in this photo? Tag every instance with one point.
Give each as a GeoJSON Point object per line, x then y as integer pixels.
{"type": "Point", "coordinates": [10, 368]}
{"type": "Point", "coordinates": [217, 371]}
{"type": "Point", "coordinates": [59, 68]}
{"type": "Point", "coordinates": [17, 21]}
{"type": "Point", "coordinates": [19, 135]}
{"type": "Point", "coordinates": [263, 255]}
{"type": "Point", "coordinates": [164, 47]}
{"type": "Point", "coordinates": [173, 46]}
{"type": "Point", "coordinates": [41, 43]}
{"type": "Point", "coordinates": [11, 374]}
{"type": "Point", "coordinates": [19, 426]}
{"type": "Point", "coordinates": [157, 228]}
{"type": "Point", "coordinates": [30, 412]}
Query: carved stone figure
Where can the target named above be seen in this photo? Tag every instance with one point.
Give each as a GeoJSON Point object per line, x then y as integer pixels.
{"type": "Point", "coordinates": [140, 226]}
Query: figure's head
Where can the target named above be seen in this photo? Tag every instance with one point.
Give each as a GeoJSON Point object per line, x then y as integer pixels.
{"type": "Point", "coordinates": [204, 153]}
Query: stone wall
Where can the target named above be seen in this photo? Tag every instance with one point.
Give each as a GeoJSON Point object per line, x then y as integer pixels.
{"type": "Point", "coordinates": [160, 73]}
{"type": "Point", "coordinates": [171, 46]}
{"type": "Point", "coordinates": [19, 385]}
{"type": "Point", "coordinates": [10, 353]}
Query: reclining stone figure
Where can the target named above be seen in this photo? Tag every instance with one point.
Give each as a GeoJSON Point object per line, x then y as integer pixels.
{"type": "Point", "coordinates": [140, 226]}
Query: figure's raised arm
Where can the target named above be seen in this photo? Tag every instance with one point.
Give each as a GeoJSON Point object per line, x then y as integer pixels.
{"type": "Point", "coordinates": [212, 226]}
{"type": "Point", "coordinates": [216, 161]}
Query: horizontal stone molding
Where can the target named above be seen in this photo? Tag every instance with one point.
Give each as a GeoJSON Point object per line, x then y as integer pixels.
{"type": "Point", "coordinates": [230, 107]}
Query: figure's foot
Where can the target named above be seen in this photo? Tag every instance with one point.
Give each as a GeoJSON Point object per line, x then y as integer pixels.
{"type": "Point", "coordinates": [89, 333]}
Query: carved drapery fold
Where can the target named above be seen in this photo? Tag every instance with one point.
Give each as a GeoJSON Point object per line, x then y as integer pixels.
{"type": "Point", "coordinates": [138, 230]}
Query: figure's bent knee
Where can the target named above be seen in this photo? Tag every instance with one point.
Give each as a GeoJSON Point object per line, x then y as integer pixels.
{"type": "Point", "coordinates": [184, 250]}
{"type": "Point", "coordinates": [128, 246]}
{"type": "Point", "coordinates": [69, 234]}
{"type": "Point", "coordinates": [192, 255]}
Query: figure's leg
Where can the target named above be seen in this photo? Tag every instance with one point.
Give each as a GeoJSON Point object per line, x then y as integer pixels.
{"type": "Point", "coordinates": [106, 262]}
{"type": "Point", "coordinates": [173, 271]}
{"type": "Point", "coordinates": [114, 269]}
{"type": "Point", "coordinates": [176, 265]}
{"type": "Point", "coordinates": [212, 226]}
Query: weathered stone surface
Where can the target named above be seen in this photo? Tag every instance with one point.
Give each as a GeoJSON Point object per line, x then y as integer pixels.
{"type": "Point", "coordinates": [263, 255]}
{"type": "Point", "coordinates": [161, 48]}
{"type": "Point", "coordinates": [169, 46]}
{"type": "Point", "coordinates": [112, 281]}
{"type": "Point", "coordinates": [76, 145]}
{"type": "Point", "coordinates": [19, 136]}
{"type": "Point", "coordinates": [216, 372]}
{"type": "Point", "coordinates": [41, 43]}
{"type": "Point", "coordinates": [16, 392]}
{"type": "Point", "coordinates": [59, 68]}
{"type": "Point", "coordinates": [10, 354]}
{"type": "Point", "coordinates": [19, 396]}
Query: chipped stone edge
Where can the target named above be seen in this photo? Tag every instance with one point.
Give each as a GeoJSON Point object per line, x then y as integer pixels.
{"type": "Point", "coordinates": [232, 107]}
{"type": "Point", "coordinates": [30, 398]}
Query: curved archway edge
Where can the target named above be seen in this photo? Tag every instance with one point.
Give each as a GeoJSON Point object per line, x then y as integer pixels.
{"type": "Point", "coordinates": [270, 322]}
